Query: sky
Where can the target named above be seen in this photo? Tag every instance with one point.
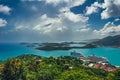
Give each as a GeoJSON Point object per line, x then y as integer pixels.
{"type": "Point", "coordinates": [58, 20]}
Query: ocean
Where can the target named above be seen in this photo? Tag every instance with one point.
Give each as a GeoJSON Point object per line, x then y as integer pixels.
{"type": "Point", "coordinates": [10, 50]}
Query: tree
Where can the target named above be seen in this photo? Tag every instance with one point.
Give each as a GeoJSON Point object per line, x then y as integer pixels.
{"type": "Point", "coordinates": [12, 70]}
{"type": "Point", "coordinates": [110, 76]}
{"type": "Point", "coordinates": [76, 75]}
{"type": "Point", "coordinates": [117, 75]}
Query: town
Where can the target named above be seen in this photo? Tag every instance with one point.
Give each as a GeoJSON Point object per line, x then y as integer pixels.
{"type": "Point", "coordinates": [95, 62]}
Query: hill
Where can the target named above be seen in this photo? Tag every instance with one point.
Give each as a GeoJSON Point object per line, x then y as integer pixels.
{"type": "Point", "coordinates": [33, 67]}
{"type": "Point", "coordinates": [110, 41]}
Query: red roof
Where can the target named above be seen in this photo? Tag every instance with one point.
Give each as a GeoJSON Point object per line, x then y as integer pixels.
{"type": "Point", "coordinates": [98, 66]}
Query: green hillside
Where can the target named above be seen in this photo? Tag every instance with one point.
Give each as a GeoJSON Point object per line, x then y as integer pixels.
{"type": "Point", "coordinates": [32, 67]}
{"type": "Point", "coordinates": [111, 41]}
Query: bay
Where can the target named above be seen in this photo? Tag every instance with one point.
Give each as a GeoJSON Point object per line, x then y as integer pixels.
{"type": "Point", "coordinates": [10, 50]}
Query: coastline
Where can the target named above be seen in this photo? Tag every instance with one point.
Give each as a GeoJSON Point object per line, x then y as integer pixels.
{"type": "Point", "coordinates": [12, 50]}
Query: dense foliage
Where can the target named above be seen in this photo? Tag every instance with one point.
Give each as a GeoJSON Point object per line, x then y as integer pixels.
{"type": "Point", "coordinates": [32, 67]}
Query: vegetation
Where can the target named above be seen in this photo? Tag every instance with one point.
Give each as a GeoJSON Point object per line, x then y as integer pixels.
{"type": "Point", "coordinates": [56, 46]}
{"type": "Point", "coordinates": [32, 67]}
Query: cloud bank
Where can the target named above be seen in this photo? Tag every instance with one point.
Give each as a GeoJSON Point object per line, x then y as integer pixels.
{"type": "Point", "coordinates": [53, 20]}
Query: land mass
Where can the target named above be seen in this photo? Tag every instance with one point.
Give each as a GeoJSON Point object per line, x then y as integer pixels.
{"type": "Point", "coordinates": [59, 46]}
{"type": "Point", "coordinates": [110, 41]}
{"type": "Point", "coordinates": [33, 67]}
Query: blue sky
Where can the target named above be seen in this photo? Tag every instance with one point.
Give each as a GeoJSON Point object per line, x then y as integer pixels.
{"type": "Point", "coordinates": [58, 20]}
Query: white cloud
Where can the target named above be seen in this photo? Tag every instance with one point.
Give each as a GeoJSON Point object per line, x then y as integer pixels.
{"type": "Point", "coordinates": [73, 3]}
{"type": "Point", "coordinates": [85, 30]}
{"type": "Point", "coordinates": [49, 25]}
{"type": "Point", "coordinates": [5, 9]}
{"type": "Point", "coordinates": [90, 10]}
{"type": "Point", "coordinates": [69, 3]}
{"type": "Point", "coordinates": [55, 2]}
{"type": "Point", "coordinates": [20, 27]}
{"type": "Point", "coordinates": [66, 25]}
{"type": "Point", "coordinates": [65, 20]}
{"type": "Point", "coordinates": [117, 19]}
{"type": "Point", "coordinates": [93, 8]}
{"type": "Point", "coordinates": [61, 26]}
{"type": "Point", "coordinates": [109, 29]}
{"type": "Point", "coordinates": [112, 9]}
{"type": "Point", "coordinates": [105, 14]}
{"type": "Point", "coordinates": [73, 17]}
{"type": "Point", "coordinates": [3, 22]}
{"type": "Point", "coordinates": [34, 8]}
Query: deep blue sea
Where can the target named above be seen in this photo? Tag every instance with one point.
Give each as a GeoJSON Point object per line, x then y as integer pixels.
{"type": "Point", "coordinates": [9, 50]}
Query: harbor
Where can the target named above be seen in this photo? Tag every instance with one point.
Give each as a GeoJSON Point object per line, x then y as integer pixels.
{"type": "Point", "coordinates": [94, 61]}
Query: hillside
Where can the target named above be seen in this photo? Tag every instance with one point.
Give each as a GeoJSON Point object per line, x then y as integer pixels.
{"type": "Point", "coordinates": [33, 67]}
{"type": "Point", "coordinates": [110, 41]}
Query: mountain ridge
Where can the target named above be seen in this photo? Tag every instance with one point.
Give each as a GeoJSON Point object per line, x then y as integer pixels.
{"type": "Point", "coordinates": [110, 41]}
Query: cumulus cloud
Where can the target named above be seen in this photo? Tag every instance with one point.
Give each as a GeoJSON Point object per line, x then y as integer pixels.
{"type": "Point", "coordinates": [49, 25]}
{"type": "Point", "coordinates": [73, 17]}
{"type": "Point", "coordinates": [65, 20]}
{"type": "Point", "coordinates": [109, 29]}
{"type": "Point", "coordinates": [61, 25]}
{"type": "Point", "coordinates": [5, 9]}
{"type": "Point", "coordinates": [55, 2]}
{"type": "Point", "coordinates": [112, 9]}
{"type": "Point", "coordinates": [93, 8]}
{"type": "Point", "coordinates": [90, 10]}
{"type": "Point", "coordinates": [64, 26]}
{"type": "Point", "coordinates": [3, 22]}
{"type": "Point", "coordinates": [69, 3]}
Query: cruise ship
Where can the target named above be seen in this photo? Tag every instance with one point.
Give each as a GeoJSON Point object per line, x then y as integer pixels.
{"type": "Point", "coordinates": [94, 58]}
{"type": "Point", "coordinates": [76, 54]}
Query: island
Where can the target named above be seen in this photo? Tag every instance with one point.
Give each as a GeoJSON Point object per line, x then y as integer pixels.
{"type": "Point", "coordinates": [59, 46]}
{"type": "Point", "coordinates": [110, 41]}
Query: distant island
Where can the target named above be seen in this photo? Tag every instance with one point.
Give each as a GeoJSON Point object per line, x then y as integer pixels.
{"type": "Point", "coordinates": [110, 41]}
{"type": "Point", "coordinates": [59, 46]}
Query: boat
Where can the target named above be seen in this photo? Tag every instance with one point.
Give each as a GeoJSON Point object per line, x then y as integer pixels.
{"type": "Point", "coordinates": [94, 58]}
{"type": "Point", "coordinates": [76, 54]}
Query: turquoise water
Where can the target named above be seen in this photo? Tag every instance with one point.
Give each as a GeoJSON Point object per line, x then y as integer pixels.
{"type": "Point", "coordinates": [112, 54]}
{"type": "Point", "coordinates": [11, 50]}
